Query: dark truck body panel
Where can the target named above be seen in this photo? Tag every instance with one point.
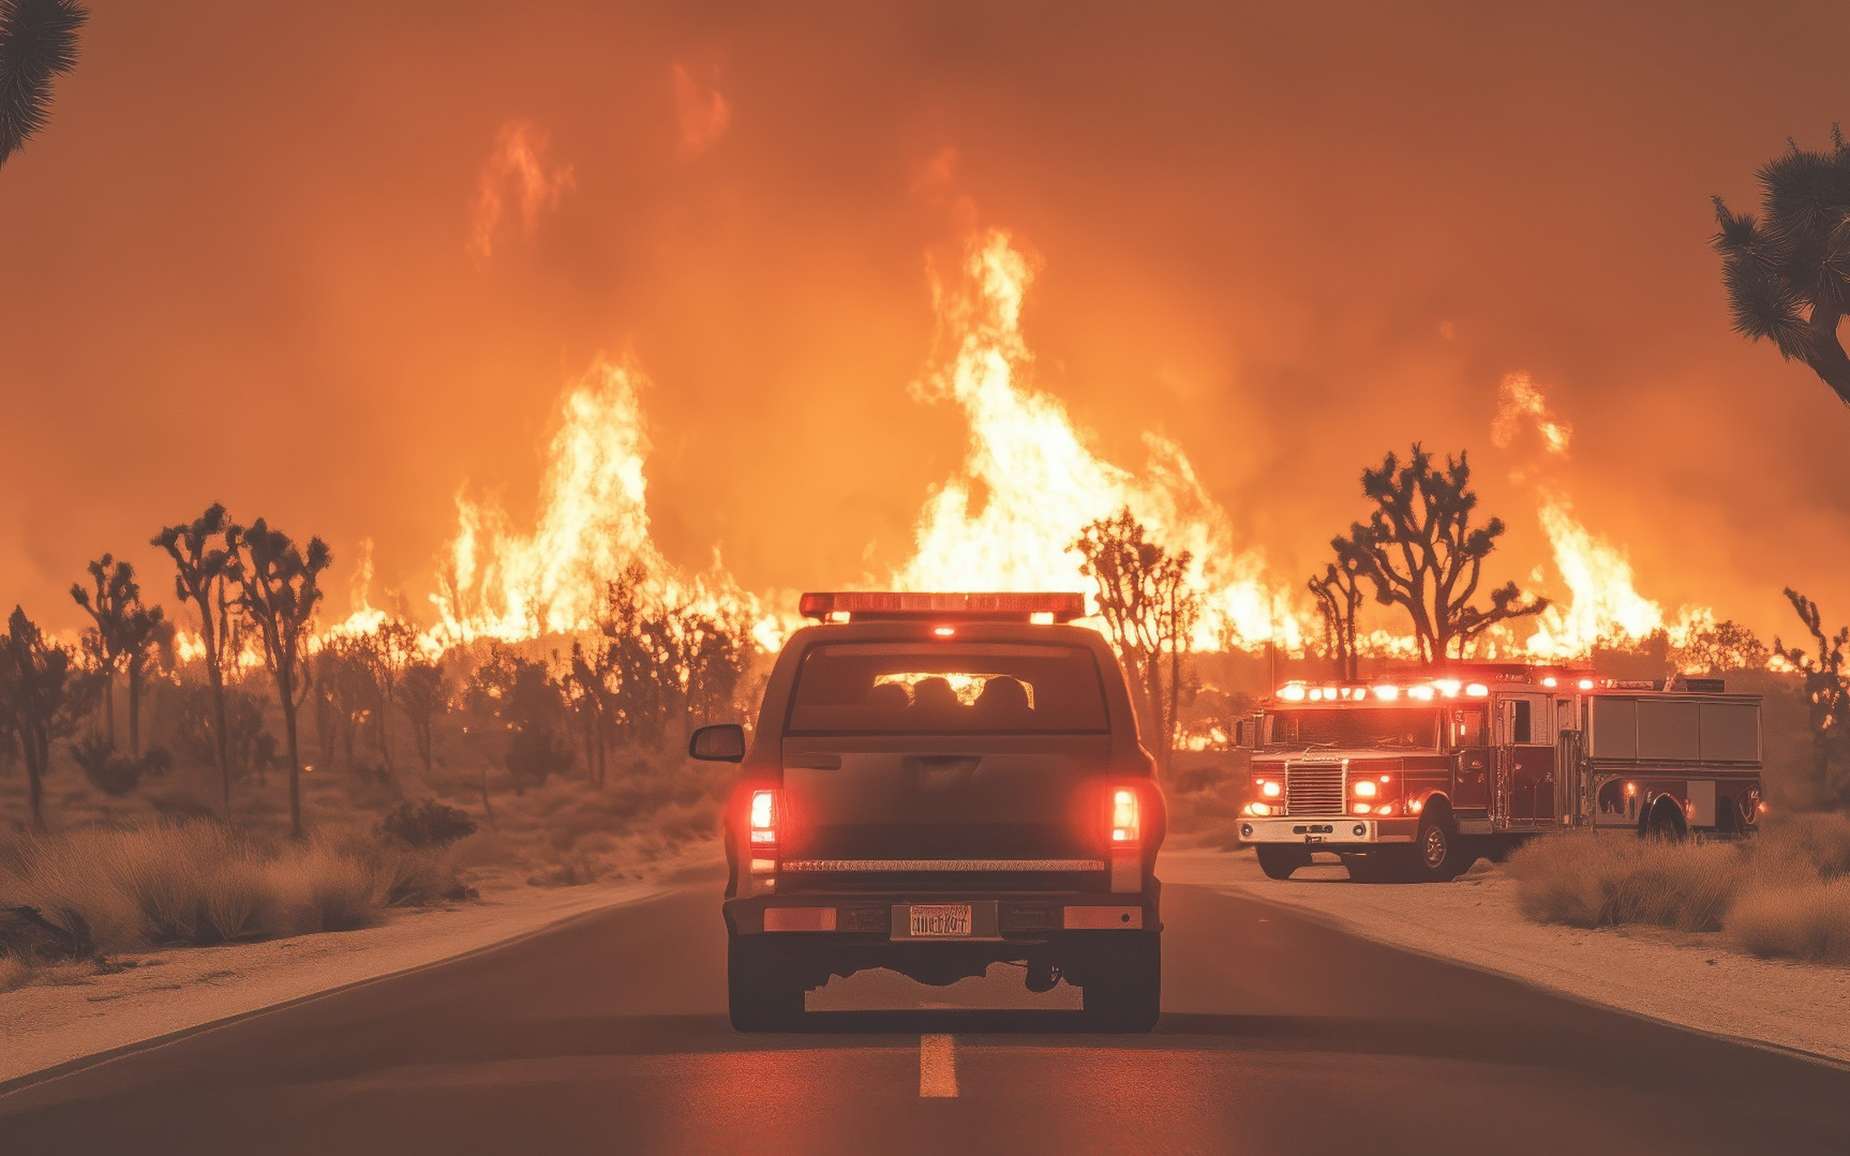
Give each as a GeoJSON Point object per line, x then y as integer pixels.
{"type": "Point", "coordinates": [1014, 825]}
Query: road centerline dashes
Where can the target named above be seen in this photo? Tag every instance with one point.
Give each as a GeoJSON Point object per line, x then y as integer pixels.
{"type": "Point", "coordinates": [937, 1068]}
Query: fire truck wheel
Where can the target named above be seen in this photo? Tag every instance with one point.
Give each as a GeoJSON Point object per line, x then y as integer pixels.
{"type": "Point", "coordinates": [1437, 854]}
{"type": "Point", "coordinates": [1124, 986]}
{"type": "Point", "coordinates": [1279, 860]}
{"type": "Point", "coordinates": [759, 996]}
{"type": "Point", "coordinates": [1666, 822]}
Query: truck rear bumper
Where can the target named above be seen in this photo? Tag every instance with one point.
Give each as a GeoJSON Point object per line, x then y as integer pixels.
{"type": "Point", "coordinates": [861, 917]}
{"type": "Point", "coordinates": [1332, 833]}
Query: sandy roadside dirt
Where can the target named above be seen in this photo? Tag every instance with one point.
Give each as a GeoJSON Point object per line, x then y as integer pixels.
{"type": "Point", "coordinates": [1692, 980]}
{"type": "Point", "coordinates": [157, 993]}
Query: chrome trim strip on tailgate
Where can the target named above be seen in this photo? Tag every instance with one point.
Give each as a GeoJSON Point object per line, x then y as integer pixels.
{"type": "Point", "coordinates": [848, 865]}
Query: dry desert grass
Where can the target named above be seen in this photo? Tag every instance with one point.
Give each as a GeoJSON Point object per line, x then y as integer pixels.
{"type": "Point", "coordinates": [1784, 894]}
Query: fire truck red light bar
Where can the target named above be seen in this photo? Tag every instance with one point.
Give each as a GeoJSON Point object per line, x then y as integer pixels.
{"type": "Point", "coordinates": [864, 604]}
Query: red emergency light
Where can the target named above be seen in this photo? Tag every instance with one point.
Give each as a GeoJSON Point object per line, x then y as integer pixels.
{"type": "Point", "coordinates": [849, 605]}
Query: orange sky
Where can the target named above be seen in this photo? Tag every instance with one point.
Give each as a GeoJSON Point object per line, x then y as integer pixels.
{"type": "Point", "coordinates": [250, 260]}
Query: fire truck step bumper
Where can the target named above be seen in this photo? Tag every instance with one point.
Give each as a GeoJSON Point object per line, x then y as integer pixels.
{"type": "Point", "coordinates": [1331, 834]}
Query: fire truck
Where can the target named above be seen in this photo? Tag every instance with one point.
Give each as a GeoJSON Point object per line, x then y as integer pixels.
{"type": "Point", "coordinates": [1416, 778]}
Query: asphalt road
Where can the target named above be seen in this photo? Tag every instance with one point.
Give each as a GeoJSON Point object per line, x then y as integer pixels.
{"type": "Point", "coordinates": [608, 1034]}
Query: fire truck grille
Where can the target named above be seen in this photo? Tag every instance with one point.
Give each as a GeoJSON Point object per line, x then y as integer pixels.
{"type": "Point", "coordinates": [1314, 789]}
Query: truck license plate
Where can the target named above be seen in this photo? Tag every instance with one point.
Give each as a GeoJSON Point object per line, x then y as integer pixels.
{"type": "Point", "coordinates": [939, 920]}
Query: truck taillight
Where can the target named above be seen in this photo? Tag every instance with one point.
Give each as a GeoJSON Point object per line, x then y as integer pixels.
{"type": "Point", "coordinates": [763, 821]}
{"type": "Point", "coordinates": [1126, 818]}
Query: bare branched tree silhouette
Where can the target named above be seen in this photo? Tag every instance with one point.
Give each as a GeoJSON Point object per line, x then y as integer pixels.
{"type": "Point", "coordinates": [1339, 596]}
{"type": "Point", "coordinates": [1150, 613]}
{"type": "Point", "coordinates": [1787, 271]}
{"type": "Point", "coordinates": [387, 653]}
{"type": "Point", "coordinates": [424, 694]}
{"type": "Point", "coordinates": [1721, 646]}
{"type": "Point", "coordinates": [42, 695]}
{"type": "Point", "coordinates": [111, 603]}
{"type": "Point", "coordinates": [202, 561]}
{"type": "Point", "coordinates": [38, 41]}
{"type": "Point", "coordinates": [1827, 696]}
{"type": "Point", "coordinates": [278, 587]}
{"type": "Point", "coordinates": [1420, 552]}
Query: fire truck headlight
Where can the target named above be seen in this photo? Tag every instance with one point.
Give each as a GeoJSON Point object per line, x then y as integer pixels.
{"type": "Point", "coordinates": [1270, 788]}
{"type": "Point", "coordinates": [1366, 789]}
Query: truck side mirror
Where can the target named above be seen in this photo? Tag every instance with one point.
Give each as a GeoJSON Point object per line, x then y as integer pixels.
{"type": "Point", "coordinates": [1246, 734]}
{"type": "Point", "coordinates": [721, 743]}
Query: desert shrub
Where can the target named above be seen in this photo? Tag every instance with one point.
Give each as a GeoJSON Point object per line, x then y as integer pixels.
{"type": "Point", "coordinates": [1599, 880]}
{"type": "Point", "coordinates": [13, 972]}
{"type": "Point", "coordinates": [1800, 919]}
{"type": "Point", "coordinates": [111, 771]}
{"type": "Point", "coordinates": [414, 878]}
{"type": "Point", "coordinates": [195, 884]}
{"type": "Point", "coordinates": [428, 824]}
{"type": "Point", "coordinates": [318, 888]}
{"type": "Point", "coordinates": [1785, 894]}
{"type": "Point", "coordinates": [1820, 839]}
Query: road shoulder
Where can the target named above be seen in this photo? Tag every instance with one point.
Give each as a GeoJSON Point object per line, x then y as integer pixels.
{"type": "Point", "coordinates": [1692, 981]}
{"type": "Point", "coordinates": [54, 1026]}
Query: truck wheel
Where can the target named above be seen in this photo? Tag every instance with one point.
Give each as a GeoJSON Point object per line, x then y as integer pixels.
{"type": "Point", "coordinates": [1437, 855]}
{"type": "Point", "coordinates": [1124, 988]}
{"type": "Point", "coordinates": [759, 996]}
{"type": "Point", "coordinates": [1666, 823]}
{"type": "Point", "coordinates": [1279, 860]}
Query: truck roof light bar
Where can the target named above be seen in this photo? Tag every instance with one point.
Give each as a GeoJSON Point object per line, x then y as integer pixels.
{"type": "Point", "coordinates": [864, 605]}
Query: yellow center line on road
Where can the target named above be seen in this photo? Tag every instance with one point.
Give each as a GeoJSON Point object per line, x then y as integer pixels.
{"type": "Point", "coordinates": [937, 1068]}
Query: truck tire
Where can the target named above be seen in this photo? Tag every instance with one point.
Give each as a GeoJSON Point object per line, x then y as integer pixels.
{"type": "Point", "coordinates": [1666, 823]}
{"type": "Point", "coordinates": [759, 996]}
{"type": "Point", "coordinates": [1438, 854]}
{"type": "Point", "coordinates": [1124, 987]}
{"type": "Point", "coordinates": [1279, 860]}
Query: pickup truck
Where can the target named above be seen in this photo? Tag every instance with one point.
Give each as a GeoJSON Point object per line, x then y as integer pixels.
{"type": "Point", "coordinates": [937, 783]}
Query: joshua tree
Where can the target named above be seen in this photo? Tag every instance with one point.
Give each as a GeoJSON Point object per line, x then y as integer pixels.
{"type": "Point", "coordinates": [279, 587]}
{"type": "Point", "coordinates": [202, 564]}
{"type": "Point", "coordinates": [38, 40]}
{"type": "Point", "coordinates": [41, 695]}
{"type": "Point", "coordinates": [146, 636]}
{"type": "Point", "coordinates": [1420, 552]}
{"type": "Point", "coordinates": [1339, 596]}
{"type": "Point", "coordinates": [115, 599]}
{"type": "Point", "coordinates": [1787, 271]}
{"type": "Point", "coordinates": [1143, 594]}
{"type": "Point", "coordinates": [1826, 694]}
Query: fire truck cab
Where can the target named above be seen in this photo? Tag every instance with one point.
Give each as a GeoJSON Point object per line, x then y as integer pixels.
{"type": "Point", "coordinates": [1415, 778]}
{"type": "Point", "coordinates": [937, 783]}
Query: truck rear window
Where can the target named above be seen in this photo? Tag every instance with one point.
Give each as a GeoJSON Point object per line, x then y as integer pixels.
{"type": "Point", "coordinates": [951, 688]}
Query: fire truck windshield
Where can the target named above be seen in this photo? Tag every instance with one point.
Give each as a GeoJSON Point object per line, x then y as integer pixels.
{"type": "Point", "coordinates": [1352, 727]}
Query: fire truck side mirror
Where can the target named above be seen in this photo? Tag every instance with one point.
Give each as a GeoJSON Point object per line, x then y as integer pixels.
{"type": "Point", "coordinates": [1246, 732]}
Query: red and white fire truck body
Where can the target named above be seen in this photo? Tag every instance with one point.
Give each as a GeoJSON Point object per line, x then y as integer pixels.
{"type": "Point", "coordinates": [1420, 776]}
